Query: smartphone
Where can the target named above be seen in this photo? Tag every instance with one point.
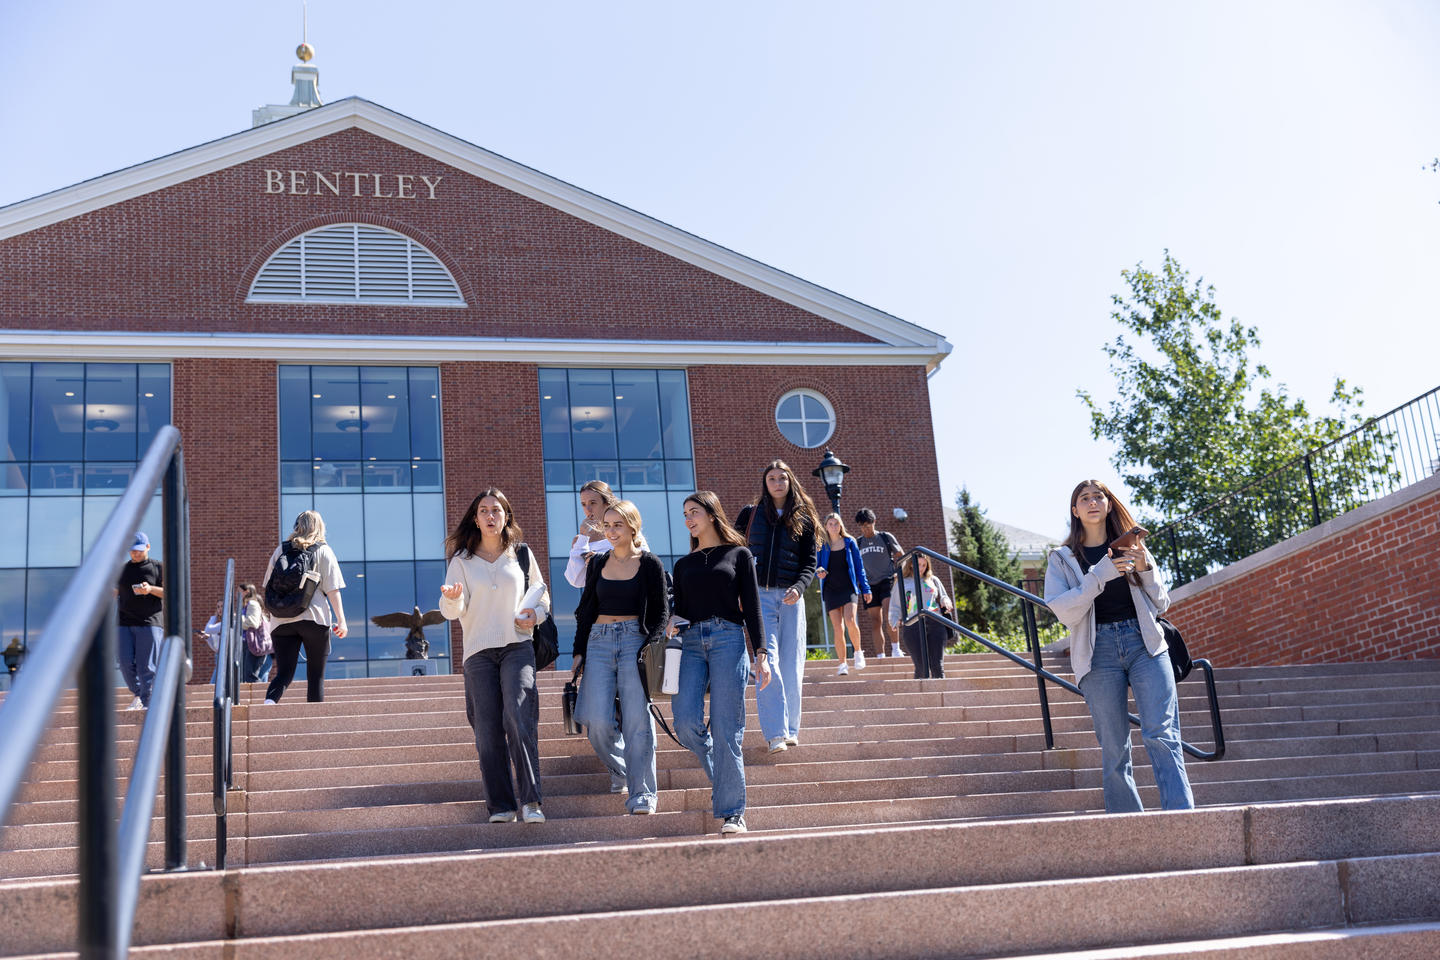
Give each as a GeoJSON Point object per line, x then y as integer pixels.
{"type": "Point", "coordinates": [135, 588]}
{"type": "Point", "coordinates": [1130, 538]}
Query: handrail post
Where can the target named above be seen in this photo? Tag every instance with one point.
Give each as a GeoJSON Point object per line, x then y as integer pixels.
{"type": "Point", "coordinates": [1314, 498]}
{"type": "Point", "coordinates": [177, 623]}
{"type": "Point", "coordinates": [99, 848]}
{"type": "Point", "coordinates": [1032, 634]}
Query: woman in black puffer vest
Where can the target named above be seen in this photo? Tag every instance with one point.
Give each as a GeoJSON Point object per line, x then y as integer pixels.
{"type": "Point", "coordinates": [780, 529]}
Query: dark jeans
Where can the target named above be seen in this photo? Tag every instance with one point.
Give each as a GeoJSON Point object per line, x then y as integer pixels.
{"type": "Point", "coordinates": [503, 708]}
{"type": "Point", "coordinates": [254, 669]}
{"type": "Point", "coordinates": [925, 642]}
{"type": "Point", "coordinates": [288, 638]}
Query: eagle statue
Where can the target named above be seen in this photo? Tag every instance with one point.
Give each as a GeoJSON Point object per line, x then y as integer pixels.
{"type": "Point", "coordinates": [416, 646]}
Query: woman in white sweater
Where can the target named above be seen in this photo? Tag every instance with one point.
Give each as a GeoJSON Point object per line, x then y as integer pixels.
{"type": "Point", "coordinates": [494, 588]}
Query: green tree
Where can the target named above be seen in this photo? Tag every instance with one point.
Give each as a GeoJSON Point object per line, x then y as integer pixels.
{"type": "Point", "coordinates": [1195, 420]}
{"type": "Point", "coordinates": [987, 610]}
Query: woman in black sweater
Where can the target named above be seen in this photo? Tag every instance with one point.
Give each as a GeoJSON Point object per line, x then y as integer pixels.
{"type": "Point", "coordinates": [716, 591]}
{"type": "Point", "coordinates": [781, 529]}
{"type": "Point", "coordinates": [623, 606]}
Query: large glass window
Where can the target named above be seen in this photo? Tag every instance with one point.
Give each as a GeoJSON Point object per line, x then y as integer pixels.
{"type": "Point", "coordinates": [70, 436]}
{"type": "Point", "coordinates": [361, 445]}
{"type": "Point", "coordinates": [630, 428]}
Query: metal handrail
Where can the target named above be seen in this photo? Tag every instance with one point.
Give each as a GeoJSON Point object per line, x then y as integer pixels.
{"type": "Point", "coordinates": [1041, 674]}
{"type": "Point", "coordinates": [79, 638]}
{"type": "Point", "coordinates": [227, 683]}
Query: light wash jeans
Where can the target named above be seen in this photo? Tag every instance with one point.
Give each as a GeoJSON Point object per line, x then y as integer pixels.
{"type": "Point", "coordinates": [626, 747]}
{"type": "Point", "coordinates": [136, 649]}
{"type": "Point", "coordinates": [713, 652]}
{"type": "Point", "coordinates": [778, 705]}
{"type": "Point", "coordinates": [1120, 658]}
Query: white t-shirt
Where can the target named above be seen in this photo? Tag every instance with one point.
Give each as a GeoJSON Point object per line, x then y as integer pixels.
{"type": "Point", "coordinates": [581, 548]}
{"type": "Point", "coordinates": [330, 579]}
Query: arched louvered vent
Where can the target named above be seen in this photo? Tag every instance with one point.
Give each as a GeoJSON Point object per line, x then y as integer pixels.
{"type": "Point", "coordinates": [355, 263]}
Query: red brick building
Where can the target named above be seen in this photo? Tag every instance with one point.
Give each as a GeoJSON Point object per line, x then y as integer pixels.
{"type": "Point", "coordinates": [351, 310]}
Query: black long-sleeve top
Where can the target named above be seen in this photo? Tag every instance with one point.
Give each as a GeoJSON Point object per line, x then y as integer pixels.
{"type": "Point", "coordinates": [720, 582]}
{"type": "Point", "coordinates": [781, 560]}
{"type": "Point", "coordinates": [654, 610]}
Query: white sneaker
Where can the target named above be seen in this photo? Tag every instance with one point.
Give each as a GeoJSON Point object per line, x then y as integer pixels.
{"type": "Point", "coordinates": [895, 650]}
{"type": "Point", "coordinates": [268, 703]}
{"type": "Point", "coordinates": [531, 813]}
{"type": "Point", "coordinates": [507, 817]}
{"type": "Point", "coordinates": [136, 705]}
{"type": "Point", "coordinates": [778, 745]}
{"type": "Point", "coordinates": [880, 654]}
{"type": "Point", "coordinates": [859, 660]}
{"type": "Point", "coordinates": [792, 741]}
{"type": "Point", "coordinates": [844, 669]}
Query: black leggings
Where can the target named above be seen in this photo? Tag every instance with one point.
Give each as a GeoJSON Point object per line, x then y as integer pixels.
{"type": "Point", "coordinates": [288, 638]}
{"type": "Point", "coordinates": [926, 641]}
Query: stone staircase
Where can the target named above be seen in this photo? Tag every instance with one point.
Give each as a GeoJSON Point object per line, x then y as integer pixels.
{"type": "Point", "coordinates": [916, 818]}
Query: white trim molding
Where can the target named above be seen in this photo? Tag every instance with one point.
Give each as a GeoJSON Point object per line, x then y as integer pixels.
{"type": "Point", "coordinates": [124, 345]}
{"type": "Point", "coordinates": [356, 113]}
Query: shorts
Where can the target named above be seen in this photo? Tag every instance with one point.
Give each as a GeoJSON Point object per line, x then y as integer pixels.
{"type": "Point", "coordinates": [880, 592]}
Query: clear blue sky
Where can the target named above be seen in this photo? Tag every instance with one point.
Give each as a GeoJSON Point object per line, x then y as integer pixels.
{"type": "Point", "coordinates": [982, 169]}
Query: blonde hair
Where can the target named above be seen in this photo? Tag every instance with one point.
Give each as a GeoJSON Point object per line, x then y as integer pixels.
{"type": "Point", "coordinates": [309, 530]}
{"type": "Point", "coordinates": [825, 526]}
{"type": "Point", "coordinates": [631, 515]}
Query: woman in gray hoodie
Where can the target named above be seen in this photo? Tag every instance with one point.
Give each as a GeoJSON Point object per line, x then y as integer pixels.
{"type": "Point", "coordinates": [1108, 598]}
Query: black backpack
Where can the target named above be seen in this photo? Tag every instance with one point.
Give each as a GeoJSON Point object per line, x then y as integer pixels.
{"type": "Point", "coordinates": [293, 582]}
{"type": "Point", "coordinates": [546, 639]}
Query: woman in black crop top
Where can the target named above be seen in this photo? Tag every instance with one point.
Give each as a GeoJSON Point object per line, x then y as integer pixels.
{"type": "Point", "coordinates": [1108, 598]}
{"type": "Point", "coordinates": [623, 606]}
{"type": "Point", "coordinates": [717, 592]}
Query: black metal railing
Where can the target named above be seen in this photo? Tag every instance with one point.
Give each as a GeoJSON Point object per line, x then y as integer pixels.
{"type": "Point", "coordinates": [1379, 457]}
{"type": "Point", "coordinates": [80, 636]}
{"type": "Point", "coordinates": [227, 682]}
{"type": "Point", "coordinates": [1030, 603]}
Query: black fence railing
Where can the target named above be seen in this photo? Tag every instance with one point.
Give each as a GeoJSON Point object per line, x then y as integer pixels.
{"type": "Point", "coordinates": [227, 682]}
{"type": "Point", "coordinates": [79, 637]}
{"type": "Point", "coordinates": [1030, 604]}
{"type": "Point", "coordinates": [1382, 455]}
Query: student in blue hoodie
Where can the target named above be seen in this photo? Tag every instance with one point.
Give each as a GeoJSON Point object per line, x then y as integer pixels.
{"type": "Point", "coordinates": [842, 585]}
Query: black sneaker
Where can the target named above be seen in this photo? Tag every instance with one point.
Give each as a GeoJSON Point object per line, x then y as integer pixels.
{"type": "Point", "coordinates": [735, 824]}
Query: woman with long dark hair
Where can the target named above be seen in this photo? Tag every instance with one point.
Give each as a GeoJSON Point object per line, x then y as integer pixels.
{"type": "Point", "coordinates": [493, 586]}
{"type": "Point", "coordinates": [781, 529]}
{"type": "Point", "coordinates": [624, 606]}
{"type": "Point", "coordinates": [716, 591]}
{"type": "Point", "coordinates": [1108, 599]}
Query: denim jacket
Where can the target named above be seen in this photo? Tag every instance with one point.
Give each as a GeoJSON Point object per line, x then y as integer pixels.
{"type": "Point", "coordinates": [1070, 594]}
{"type": "Point", "coordinates": [852, 561]}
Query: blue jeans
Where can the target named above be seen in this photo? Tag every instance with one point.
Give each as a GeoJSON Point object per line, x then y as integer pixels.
{"type": "Point", "coordinates": [713, 652]}
{"type": "Point", "coordinates": [778, 705]}
{"type": "Point", "coordinates": [136, 648]}
{"type": "Point", "coordinates": [1120, 659]}
{"type": "Point", "coordinates": [627, 748]}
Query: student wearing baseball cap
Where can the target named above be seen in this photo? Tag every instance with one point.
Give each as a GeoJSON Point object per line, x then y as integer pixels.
{"type": "Point", "coordinates": [140, 596]}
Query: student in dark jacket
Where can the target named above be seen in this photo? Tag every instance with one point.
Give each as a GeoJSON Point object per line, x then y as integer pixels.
{"type": "Point", "coordinates": [781, 530]}
{"type": "Point", "coordinates": [139, 592]}
{"type": "Point", "coordinates": [716, 592]}
{"type": "Point", "coordinates": [623, 606]}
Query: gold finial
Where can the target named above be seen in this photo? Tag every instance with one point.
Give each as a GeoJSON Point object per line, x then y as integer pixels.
{"type": "Point", "coordinates": [305, 52]}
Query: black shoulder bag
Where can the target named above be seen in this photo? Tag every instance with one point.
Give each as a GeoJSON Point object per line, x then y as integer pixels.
{"type": "Point", "coordinates": [546, 636]}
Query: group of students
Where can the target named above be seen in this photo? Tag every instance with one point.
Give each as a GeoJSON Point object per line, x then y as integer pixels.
{"type": "Point", "coordinates": [737, 595]}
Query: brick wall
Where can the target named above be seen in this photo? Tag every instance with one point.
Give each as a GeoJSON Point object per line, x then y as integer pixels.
{"type": "Point", "coordinates": [1362, 587]}
{"type": "Point", "coordinates": [182, 259]}
{"type": "Point", "coordinates": [490, 418]}
{"type": "Point", "coordinates": [225, 411]}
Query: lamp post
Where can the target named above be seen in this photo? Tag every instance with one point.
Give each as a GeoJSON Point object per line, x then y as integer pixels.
{"type": "Point", "coordinates": [832, 472]}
